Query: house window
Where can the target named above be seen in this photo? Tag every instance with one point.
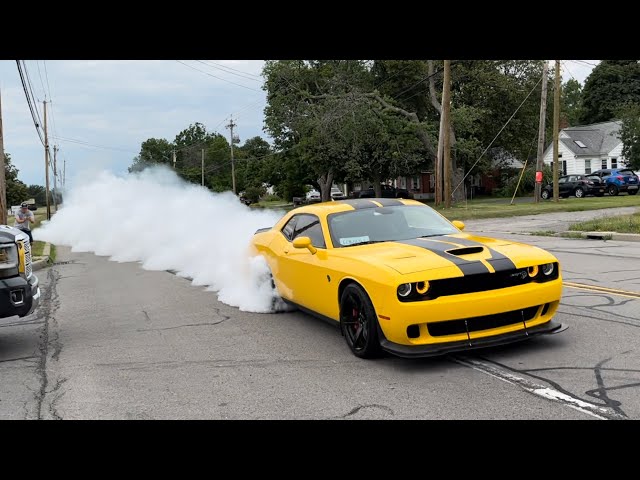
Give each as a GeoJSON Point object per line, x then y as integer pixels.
{"type": "Point", "coordinates": [415, 183]}
{"type": "Point", "coordinates": [564, 167]}
{"type": "Point", "coordinates": [580, 144]}
{"type": "Point", "coordinates": [587, 166]}
{"type": "Point", "coordinates": [604, 163]}
{"type": "Point", "coordinates": [614, 163]}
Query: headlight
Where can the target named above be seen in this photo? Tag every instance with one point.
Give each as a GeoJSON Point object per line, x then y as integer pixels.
{"type": "Point", "coordinates": [548, 268]}
{"type": "Point", "coordinates": [8, 260]}
{"type": "Point", "coordinates": [422, 287]}
{"type": "Point", "coordinates": [404, 290]}
{"type": "Point", "coordinates": [533, 271]}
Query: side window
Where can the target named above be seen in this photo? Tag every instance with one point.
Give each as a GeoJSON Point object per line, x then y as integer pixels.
{"type": "Point", "coordinates": [289, 227]}
{"type": "Point", "coordinates": [562, 180]}
{"type": "Point", "coordinates": [309, 226]}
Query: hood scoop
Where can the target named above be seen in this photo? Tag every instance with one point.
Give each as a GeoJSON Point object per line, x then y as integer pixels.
{"type": "Point", "coordinates": [465, 251]}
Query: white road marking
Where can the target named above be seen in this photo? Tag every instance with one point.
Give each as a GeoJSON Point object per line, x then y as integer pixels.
{"type": "Point", "coordinates": [536, 389]}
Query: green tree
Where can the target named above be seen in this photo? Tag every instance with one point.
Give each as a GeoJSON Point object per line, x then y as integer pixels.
{"type": "Point", "coordinates": [38, 193]}
{"type": "Point", "coordinates": [611, 85]}
{"type": "Point", "coordinates": [329, 111]}
{"type": "Point", "coordinates": [153, 151]}
{"type": "Point", "coordinates": [571, 102]}
{"type": "Point", "coordinates": [16, 190]}
{"type": "Point", "coordinates": [630, 134]}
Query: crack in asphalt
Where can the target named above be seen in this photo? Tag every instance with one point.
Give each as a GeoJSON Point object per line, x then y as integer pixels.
{"type": "Point", "coordinates": [203, 324]}
{"type": "Point", "coordinates": [49, 340]}
{"type": "Point", "coordinates": [18, 359]}
{"type": "Point", "coordinates": [362, 407]}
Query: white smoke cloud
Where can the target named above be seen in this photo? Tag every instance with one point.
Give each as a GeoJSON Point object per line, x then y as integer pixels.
{"type": "Point", "coordinates": [164, 223]}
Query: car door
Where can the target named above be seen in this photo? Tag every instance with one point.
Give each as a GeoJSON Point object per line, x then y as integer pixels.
{"type": "Point", "coordinates": [304, 274]}
{"type": "Point", "coordinates": [562, 185]}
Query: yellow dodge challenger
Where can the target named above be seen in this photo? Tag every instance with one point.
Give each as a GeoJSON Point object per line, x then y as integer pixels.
{"type": "Point", "coordinates": [401, 278]}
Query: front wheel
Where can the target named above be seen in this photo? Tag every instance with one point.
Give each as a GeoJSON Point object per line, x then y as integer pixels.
{"type": "Point", "coordinates": [579, 193]}
{"type": "Point", "coordinates": [612, 190]}
{"type": "Point", "coordinates": [358, 322]}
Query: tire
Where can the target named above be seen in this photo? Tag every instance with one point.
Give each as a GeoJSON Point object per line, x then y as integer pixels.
{"type": "Point", "coordinates": [579, 192]}
{"type": "Point", "coordinates": [612, 190]}
{"type": "Point", "coordinates": [632, 192]}
{"type": "Point", "coordinates": [359, 322]}
{"type": "Point", "coordinates": [545, 194]}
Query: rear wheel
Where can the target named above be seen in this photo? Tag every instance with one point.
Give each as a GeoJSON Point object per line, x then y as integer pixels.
{"type": "Point", "coordinates": [612, 190]}
{"type": "Point", "coordinates": [632, 192]}
{"type": "Point", "coordinates": [358, 322]}
{"type": "Point", "coordinates": [579, 193]}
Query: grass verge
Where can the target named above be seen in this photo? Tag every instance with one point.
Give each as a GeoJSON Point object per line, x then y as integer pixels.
{"type": "Point", "coordinates": [620, 224]}
{"type": "Point", "coordinates": [477, 209]}
{"type": "Point", "coordinates": [36, 248]}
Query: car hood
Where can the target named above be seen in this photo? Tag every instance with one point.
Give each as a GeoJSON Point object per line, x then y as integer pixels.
{"type": "Point", "coordinates": [463, 252]}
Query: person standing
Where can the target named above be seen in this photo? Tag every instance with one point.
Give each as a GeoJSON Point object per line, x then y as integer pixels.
{"type": "Point", "coordinates": [24, 217]}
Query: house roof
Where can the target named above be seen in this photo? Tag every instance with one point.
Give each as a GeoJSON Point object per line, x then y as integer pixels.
{"type": "Point", "coordinates": [597, 138]}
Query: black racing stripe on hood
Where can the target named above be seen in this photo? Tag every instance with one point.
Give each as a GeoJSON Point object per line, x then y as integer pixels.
{"type": "Point", "coordinates": [359, 203]}
{"type": "Point", "coordinates": [498, 261]}
{"type": "Point", "coordinates": [439, 248]}
{"type": "Point", "coordinates": [388, 202]}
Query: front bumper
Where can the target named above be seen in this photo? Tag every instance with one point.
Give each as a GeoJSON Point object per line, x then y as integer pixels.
{"type": "Point", "coordinates": [418, 351]}
{"type": "Point", "coordinates": [19, 296]}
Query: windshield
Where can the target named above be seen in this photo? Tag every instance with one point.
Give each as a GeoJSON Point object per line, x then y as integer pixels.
{"type": "Point", "coordinates": [383, 224]}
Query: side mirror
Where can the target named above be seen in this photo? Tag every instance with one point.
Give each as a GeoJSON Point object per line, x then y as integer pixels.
{"type": "Point", "coordinates": [458, 224]}
{"type": "Point", "coordinates": [304, 242]}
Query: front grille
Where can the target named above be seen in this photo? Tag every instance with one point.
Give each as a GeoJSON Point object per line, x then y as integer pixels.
{"type": "Point", "coordinates": [453, 327]}
{"type": "Point", "coordinates": [27, 259]}
{"type": "Point", "coordinates": [478, 283]}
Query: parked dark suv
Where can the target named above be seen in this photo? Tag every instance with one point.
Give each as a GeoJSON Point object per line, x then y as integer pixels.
{"type": "Point", "coordinates": [619, 180]}
{"type": "Point", "coordinates": [578, 185]}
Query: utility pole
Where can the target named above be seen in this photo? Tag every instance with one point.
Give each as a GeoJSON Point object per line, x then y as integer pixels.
{"type": "Point", "coordinates": [55, 176]}
{"type": "Point", "coordinates": [541, 126]}
{"type": "Point", "coordinates": [446, 113]}
{"type": "Point", "coordinates": [64, 173]}
{"type": "Point", "coordinates": [233, 168]}
{"type": "Point", "coordinates": [203, 167]}
{"type": "Point", "coordinates": [3, 185]}
{"type": "Point", "coordinates": [46, 161]}
{"type": "Point", "coordinates": [556, 127]}
{"type": "Point", "coordinates": [438, 173]}
{"type": "Point", "coordinates": [173, 152]}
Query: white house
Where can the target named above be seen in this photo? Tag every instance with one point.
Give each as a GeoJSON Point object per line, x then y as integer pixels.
{"type": "Point", "coordinates": [587, 148]}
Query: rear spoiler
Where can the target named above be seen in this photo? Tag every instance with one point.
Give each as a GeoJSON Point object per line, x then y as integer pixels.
{"type": "Point", "coordinates": [260, 230]}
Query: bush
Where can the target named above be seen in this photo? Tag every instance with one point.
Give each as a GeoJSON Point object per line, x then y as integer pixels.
{"type": "Point", "coordinates": [271, 198]}
{"type": "Point", "coordinates": [254, 193]}
{"type": "Point", "coordinates": [528, 182]}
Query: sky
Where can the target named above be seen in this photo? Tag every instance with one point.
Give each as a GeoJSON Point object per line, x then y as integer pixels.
{"type": "Point", "coordinates": [102, 110]}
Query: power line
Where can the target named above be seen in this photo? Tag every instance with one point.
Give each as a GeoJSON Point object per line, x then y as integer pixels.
{"type": "Point", "coordinates": [229, 72]}
{"type": "Point", "coordinates": [569, 71]}
{"type": "Point", "coordinates": [497, 135]}
{"type": "Point", "coordinates": [87, 144]}
{"type": "Point", "coordinates": [41, 82]}
{"type": "Point", "coordinates": [235, 69]}
{"type": "Point", "coordinates": [46, 75]}
{"type": "Point", "coordinates": [33, 96]}
{"type": "Point", "coordinates": [215, 76]}
{"type": "Point", "coordinates": [26, 93]}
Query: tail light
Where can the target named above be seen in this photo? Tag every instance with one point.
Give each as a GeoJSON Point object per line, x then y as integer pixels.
{"type": "Point", "coordinates": [620, 177]}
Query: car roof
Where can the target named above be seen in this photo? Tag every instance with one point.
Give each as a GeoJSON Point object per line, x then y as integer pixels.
{"type": "Point", "coordinates": [335, 206]}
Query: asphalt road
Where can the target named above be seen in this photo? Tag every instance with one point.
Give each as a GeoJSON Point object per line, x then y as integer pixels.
{"type": "Point", "coordinates": [113, 341]}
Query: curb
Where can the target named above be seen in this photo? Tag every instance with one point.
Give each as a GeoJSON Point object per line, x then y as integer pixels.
{"type": "Point", "coordinates": [626, 237]}
{"type": "Point", "coordinates": [44, 260]}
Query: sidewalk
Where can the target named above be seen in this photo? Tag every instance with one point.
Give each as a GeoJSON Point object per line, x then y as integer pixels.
{"type": "Point", "coordinates": [42, 261]}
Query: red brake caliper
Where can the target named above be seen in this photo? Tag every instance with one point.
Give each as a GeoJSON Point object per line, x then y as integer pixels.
{"type": "Point", "coordinates": [354, 314]}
